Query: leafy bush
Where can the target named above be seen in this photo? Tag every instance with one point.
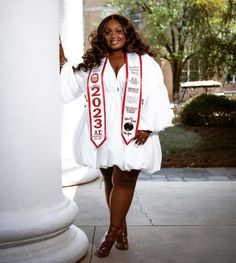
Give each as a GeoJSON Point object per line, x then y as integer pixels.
{"type": "Point", "coordinates": [209, 110]}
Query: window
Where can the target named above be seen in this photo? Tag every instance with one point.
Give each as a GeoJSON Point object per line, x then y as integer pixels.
{"type": "Point", "coordinates": [232, 79]}
{"type": "Point", "coordinates": [191, 72]}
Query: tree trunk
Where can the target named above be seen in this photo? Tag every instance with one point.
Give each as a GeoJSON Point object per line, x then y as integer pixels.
{"type": "Point", "coordinates": [177, 69]}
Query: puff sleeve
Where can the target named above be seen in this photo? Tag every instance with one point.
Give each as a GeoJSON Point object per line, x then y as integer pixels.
{"type": "Point", "coordinates": [71, 83]}
{"type": "Point", "coordinates": [156, 112]}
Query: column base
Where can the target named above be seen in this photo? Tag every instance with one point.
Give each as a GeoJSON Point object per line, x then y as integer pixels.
{"type": "Point", "coordinates": [73, 174]}
{"type": "Point", "coordinates": [68, 247]}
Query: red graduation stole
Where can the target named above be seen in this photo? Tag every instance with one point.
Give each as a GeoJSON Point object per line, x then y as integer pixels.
{"type": "Point", "coordinates": [131, 105]}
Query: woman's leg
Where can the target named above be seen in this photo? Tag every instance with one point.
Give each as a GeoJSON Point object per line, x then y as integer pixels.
{"type": "Point", "coordinates": [108, 185]}
{"type": "Point", "coordinates": [107, 176]}
{"type": "Point", "coordinates": [121, 196]}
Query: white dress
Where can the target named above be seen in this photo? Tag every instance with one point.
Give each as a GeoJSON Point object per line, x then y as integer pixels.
{"type": "Point", "coordinates": [156, 115]}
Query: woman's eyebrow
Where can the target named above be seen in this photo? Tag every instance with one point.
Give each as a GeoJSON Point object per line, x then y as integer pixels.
{"type": "Point", "coordinates": [119, 27]}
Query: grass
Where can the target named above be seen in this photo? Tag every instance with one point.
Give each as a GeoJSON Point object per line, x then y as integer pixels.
{"type": "Point", "coordinates": [184, 146]}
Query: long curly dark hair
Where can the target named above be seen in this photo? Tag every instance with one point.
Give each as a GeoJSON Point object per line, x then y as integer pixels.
{"type": "Point", "coordinates": [134, 43]}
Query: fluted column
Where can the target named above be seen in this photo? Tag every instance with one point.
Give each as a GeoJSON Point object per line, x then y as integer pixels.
{"type": "Point", "coordinates": [71, 31]}
{"type": "Point", "coordinates": [35, 217]}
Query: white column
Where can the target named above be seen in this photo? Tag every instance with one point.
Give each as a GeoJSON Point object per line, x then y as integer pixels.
{"type": "Point", "coordinates": [71, 31]}
{"type": "Point", "coordinates": [35, 217]}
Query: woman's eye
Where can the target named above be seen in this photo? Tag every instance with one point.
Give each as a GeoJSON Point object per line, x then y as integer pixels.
{"type": "Point", "coordinates": [107, 33]}
{"type": "Point", "coordinates": [119, 32]}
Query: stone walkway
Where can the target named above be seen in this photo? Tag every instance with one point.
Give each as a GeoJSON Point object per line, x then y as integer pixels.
{"type": "Point", "coordinates": [192, 174]}
{"type": "Point", "coordinates": [177, 216]}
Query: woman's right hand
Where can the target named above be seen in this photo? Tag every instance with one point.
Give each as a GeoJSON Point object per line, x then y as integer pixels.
{"type": "Point", "coordinates": [63, 59]}
{"type": "Point", "coordinates": [141, 137]}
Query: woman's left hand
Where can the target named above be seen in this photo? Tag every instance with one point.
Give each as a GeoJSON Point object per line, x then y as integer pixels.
{"type": "Point", "coordinates": [141, 137]}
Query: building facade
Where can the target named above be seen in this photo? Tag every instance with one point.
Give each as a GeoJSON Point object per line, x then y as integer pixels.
{"type": "Point", "coordinates": [94, 11]}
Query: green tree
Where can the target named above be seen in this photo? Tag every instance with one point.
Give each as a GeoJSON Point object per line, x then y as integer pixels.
{"type": "Point", "coordinates": [182, 29]}
{"type": "Point", "coordinates": [217, 48]}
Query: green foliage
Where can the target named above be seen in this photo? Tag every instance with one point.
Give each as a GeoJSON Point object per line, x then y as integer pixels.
{"type": "Point", "coordinates": [218, 55]}
{"type": "Point", "coordinates": [217, 48]}
{"type": "Point", "coordinates": [183, 29]}
{"type": "Point", "coordinates": [209, 110]}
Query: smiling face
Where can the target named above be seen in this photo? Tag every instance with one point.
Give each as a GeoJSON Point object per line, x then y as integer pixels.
{"type": "Point", "coordinates": [114, 35]}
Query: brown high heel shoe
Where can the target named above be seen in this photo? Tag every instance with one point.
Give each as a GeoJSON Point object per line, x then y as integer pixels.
{"type": "Point", "coordinates": [122, 240]}
{"type": "Point", "coordinates": [107, 241]}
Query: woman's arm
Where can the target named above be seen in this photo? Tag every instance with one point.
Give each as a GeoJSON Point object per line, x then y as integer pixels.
{"type": "Point", "coordinates": [156, 112]}
{"type": "Point", "coordinates": [71, 83]}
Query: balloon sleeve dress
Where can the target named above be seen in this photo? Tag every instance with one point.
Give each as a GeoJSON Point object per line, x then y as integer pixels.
{"type": "Point", "coordinates": [156, 115]}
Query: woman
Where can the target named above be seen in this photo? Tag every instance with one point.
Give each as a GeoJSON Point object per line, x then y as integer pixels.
{"type": "Point", "coordinates": [127, 104]}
